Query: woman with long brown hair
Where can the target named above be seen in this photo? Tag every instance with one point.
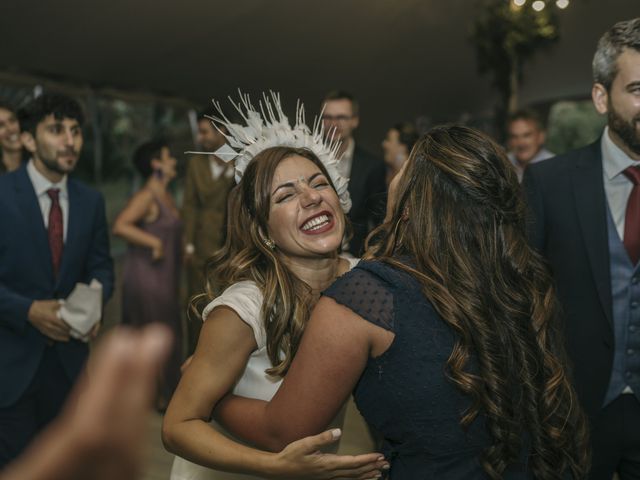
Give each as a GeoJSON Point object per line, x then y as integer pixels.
{"type": "Point", "coordinates": [447, 334]}
{"type": "Point", "coordinates": [285, 229]}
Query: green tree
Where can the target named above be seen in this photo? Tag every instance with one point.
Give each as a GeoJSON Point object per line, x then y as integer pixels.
{"type": "Point", "coordinates": [506, 36]}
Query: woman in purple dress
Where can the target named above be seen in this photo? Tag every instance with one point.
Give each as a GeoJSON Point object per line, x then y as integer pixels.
{"type": "Point", "coordinates": [150, 223]}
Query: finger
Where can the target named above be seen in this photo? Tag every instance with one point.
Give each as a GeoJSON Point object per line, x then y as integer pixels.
{"type": "Point", "coordinates": [369, 465]}
{"type": "Point", "coordinates": [371, 470]}
{"type": "Point", "coordinates": [110, 374]}
{"type": "Point", "coordinates": [316, 442]}
{"type": "Point", "coordinates": [55, 331]}
{"type": "Point", "coordinates": [61, 324]}
{"type": "Point", "coordinates": [154, 346]}
{"type": "Point", "coordinates": [56, 336]}
{"type": "Point", "coordinates": [60, 329]}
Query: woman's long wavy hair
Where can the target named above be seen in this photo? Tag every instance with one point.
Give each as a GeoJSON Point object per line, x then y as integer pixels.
{"type": "Point", "coordinates": [245, 256]}
{"type": "Point", "coordinates": [460, 217]}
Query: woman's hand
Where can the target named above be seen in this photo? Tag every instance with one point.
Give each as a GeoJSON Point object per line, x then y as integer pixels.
{"type": "Point", "coordinates": [303, 459]}
{"type": "Point", "coordinates": [157, 250]}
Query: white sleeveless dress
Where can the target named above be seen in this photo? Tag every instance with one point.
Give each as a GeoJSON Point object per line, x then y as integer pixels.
{"type": "Point", "coordinates": [244, 298]}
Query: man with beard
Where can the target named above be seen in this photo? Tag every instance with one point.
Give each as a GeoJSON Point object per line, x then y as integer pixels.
{"type": "Point", "coordinates": [586, 221]}
{"type": "Point", "coordinates": [53, 234]}
{"type": "Point", "coordinates": [207, 186]}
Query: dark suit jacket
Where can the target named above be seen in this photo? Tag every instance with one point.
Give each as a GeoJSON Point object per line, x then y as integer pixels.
{"type": "Point", "coordinates": [367, 189]}
{"type": "Point", "coordinates": [26, 275]}
{"type": "Point", "coordinates": [569, 207]}
{"type": "Point", "coordinates": [204, 207]}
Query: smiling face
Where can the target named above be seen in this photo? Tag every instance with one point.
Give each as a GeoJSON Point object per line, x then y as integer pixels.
{"type": "Point", "coordinates": [9, 131]}
{"type": "Point", "coordinates": [305, 218]}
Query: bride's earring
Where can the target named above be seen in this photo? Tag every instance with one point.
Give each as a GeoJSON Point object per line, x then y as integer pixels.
{"type": "Point", "coordinates": [269, 243]}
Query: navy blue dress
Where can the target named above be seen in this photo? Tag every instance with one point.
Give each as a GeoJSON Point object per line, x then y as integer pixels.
{"type": "Point", "coordinates": [404, 393]}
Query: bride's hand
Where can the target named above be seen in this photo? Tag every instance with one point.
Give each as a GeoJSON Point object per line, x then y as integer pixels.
{"type": "Point", "coordinates": [303, 459]}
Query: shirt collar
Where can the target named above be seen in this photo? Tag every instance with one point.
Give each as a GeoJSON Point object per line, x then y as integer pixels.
{"type": "Point", "coordinates": [614, 160]}
{"type": "Point", "coordinates": [41, 184]}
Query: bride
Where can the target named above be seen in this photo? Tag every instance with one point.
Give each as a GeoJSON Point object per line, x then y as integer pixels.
{"type": "Point", "coordinates": [285, 229]}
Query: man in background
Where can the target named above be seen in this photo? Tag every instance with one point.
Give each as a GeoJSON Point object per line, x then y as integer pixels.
{"type": "Point", "coordinates": [586, 222]}
{"type": "Point", "coordinates": [53, 234]}
{"type": "Point", "coordinates": [525, 140]}
{"type": "Point", "coordinates": [207, 185]}
{"type": "Point", "coordinates": [365, 171]}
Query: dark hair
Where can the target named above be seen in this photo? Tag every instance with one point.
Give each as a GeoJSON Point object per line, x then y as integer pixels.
{"type": "Point", "coordinates": [459, 216]}
{"type": "Point", "coordinates": [145, 154]}
{"type": "Point", "coordinates": [342, 95]}
{"type": "Point", "coordinates": [7, 106]}
{"type": "Point", "coordinates": [528, 115]}
{"type": "Point", "coordinates": [408, 134]}
{"type": "Point", "coordinates": [625, 34]}
{"type": "Point", "coordinates": [56, 104]}
{"type": "Point", "coordinates": [287, 300]}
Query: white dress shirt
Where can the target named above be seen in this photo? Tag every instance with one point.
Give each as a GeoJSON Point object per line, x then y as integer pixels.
{"type": "Point", "coordinates": [40, 185]}
{"type": "Point", "coordinates": [617, 186]}
{"type": "Point", "coordinates": [218, 169]}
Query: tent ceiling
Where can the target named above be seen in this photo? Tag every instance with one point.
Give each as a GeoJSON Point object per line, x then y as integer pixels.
{"type": "Point", "coordinates": [402, 58]}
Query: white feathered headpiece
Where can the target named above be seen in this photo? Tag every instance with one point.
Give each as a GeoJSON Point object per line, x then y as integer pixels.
{"type": "Point", "coordinates": [270, 128]}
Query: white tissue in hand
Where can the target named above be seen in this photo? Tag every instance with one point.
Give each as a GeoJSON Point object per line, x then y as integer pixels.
{"type": "Point", "coordinates": [83, 308]}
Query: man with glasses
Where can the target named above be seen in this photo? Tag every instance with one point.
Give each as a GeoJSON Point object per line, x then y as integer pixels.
{"type": "Point", "coordinates": [366, 172]}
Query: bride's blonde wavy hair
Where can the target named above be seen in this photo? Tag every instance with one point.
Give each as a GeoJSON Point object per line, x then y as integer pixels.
{"type": "Point", "coordinates": [287, 300]}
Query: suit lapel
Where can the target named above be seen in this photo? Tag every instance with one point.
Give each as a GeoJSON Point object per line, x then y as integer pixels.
{"type": "Point", "coordinates": [30, 207]}
{"type": "Point", "coordinates": [591, 205]}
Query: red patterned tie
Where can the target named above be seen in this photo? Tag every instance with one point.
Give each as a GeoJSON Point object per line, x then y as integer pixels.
{"type": "Point", "coordinates": [632, 216]}
{"type": "Point", "coordinates": [55, 229]}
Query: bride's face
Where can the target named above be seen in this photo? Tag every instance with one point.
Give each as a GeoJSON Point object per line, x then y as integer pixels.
{"type": "Point", "coordinates": [305, 217]}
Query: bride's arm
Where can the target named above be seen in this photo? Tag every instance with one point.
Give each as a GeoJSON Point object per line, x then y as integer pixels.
{"type": "Point", "coordinates": [332, 355]}
{"type": "Point", "coordinates": [224, 346]}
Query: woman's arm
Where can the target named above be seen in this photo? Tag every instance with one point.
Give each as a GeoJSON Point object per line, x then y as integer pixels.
{"type": "Point", "coordinates": [125, 224]}
{"type": "Point", "coordinates": [221, 355]}
{"type": "Point", "coordinates": [332, 355]}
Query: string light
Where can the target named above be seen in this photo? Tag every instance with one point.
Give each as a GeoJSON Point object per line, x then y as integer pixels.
{"type": "Point", "coordinates": [538, 5]}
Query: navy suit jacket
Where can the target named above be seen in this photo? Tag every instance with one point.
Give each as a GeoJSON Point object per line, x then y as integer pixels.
{"type": "Point", "coordinates": [26, 274]}
{"type": "Point", "coordinates": [368, 191]}
{"type": "Point", "coordinates": [569, 227]}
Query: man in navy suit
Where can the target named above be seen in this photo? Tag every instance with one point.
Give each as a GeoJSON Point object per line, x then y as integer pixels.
{"type": "Point", "coordinates": [586, 209]}
{"type": "Point", "coordinates": [53, 234]}
{"type": "Point", "coordinates": [365, 171]}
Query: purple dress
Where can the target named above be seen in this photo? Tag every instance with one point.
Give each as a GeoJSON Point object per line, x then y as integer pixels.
{"type": "Point", "coordinates": [150, 288]}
